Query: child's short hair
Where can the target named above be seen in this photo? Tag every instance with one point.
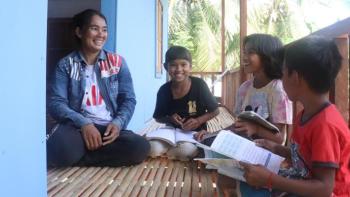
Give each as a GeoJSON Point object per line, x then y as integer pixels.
{"type": "Point", "coordinates": [270, 50]}
{"type": "Point", "coordinates": [177, 52]}
{"type": "Point", "coordinates": [316, 59]}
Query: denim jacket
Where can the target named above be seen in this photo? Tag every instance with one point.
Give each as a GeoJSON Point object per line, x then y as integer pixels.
{"type": "Point", "coordinates": [67, 88]}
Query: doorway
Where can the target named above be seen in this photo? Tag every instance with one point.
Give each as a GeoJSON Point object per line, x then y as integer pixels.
{"type": "Point", "coordinates": [60, 35]}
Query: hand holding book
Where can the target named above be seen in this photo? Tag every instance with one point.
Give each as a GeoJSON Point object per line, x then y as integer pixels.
{"type": "Point", "coordinates": [228, 145]}
{"type": "Point", "coordinates": [256, 175]}
{"type": "Point", "coordinates": [246, 128]}
{"type": "Point", "coordinates": [251, 116]}
{"type": "Point", "coordinates": [267, 144]}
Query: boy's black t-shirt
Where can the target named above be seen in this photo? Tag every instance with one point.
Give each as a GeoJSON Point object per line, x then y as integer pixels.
{"type": "Point", "coordinates": [196, 102]}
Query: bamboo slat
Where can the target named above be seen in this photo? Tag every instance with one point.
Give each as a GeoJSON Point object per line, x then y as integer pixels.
{"type": "Point", "coordinates": [170, 188]}
{"type": "Point", "coordinates": [116, 181]}
{"type": "Point", "coordinates": [165, 179]}
{"type": "Point", "coordinates": [195, 181]}
{"type": "Point", "coordinates": [60, 175]}
{"type": "Point", "coordinates": [137, 188]}
{"type": "Point", "coordinates": [95, 181]}
{"type": "Point", "coordinates": [186, 190]}
{"type": "Point", "coordinates": [206, 182]}
{"type": "Point", "coordinates": [149, 180]}
{"type": "Point", "coordinates": [179, 179]}
{"type": "Point", "coordinates": [110, 178]}
{"type": "Point", "coordinates": [134, 179]}
{"type": "Point", "coordinates": [157, 181]}
{"type": "Point", "coordinates": [64, 183]}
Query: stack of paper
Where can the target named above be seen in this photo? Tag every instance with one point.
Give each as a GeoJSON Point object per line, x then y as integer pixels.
{"type": "Point", "coordinates": [229, 148]}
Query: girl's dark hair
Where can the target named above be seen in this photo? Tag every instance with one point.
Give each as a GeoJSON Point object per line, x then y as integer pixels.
{"type": "Point", "coordinates": [270, 50]}
{"type": "Point", "coordinates": [177, 52]}
{"type": "Point", "coordinates": [83, 19]}
{"type": "Point", "coordinates": [316, 59]}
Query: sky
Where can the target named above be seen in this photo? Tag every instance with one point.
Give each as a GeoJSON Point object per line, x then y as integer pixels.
{"type": "Point", "coordinates": [326, 14]}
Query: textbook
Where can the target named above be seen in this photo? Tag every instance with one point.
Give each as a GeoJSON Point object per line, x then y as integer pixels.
{"type": "Point", "coordinates": [247, 116]}
{"type": "Point", "coordinates": [229, 148]}
{"type": "Point", "coordinates": [255, 117]}
{"type": "Point", "coordinates": [171, 135]}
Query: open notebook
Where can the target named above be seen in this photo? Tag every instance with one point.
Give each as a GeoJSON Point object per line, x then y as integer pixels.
{"type": "Point", "coordinates": [229, 148]}
{"type": "Point", "coordinates": [171, 135]}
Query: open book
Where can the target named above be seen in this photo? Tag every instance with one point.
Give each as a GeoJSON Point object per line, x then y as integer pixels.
{"type": "Point", "coordinates": [171, 135]}
{"type": "Point", "coordinates": [229, 148]}
{"type": "Point", "coordinates": [255, 117]}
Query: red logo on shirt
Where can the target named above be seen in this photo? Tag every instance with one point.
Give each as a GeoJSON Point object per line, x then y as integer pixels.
{"type": "Point", "coordinates": [111, 65]}
{"type": "Point", "coordinates": [95, 97]}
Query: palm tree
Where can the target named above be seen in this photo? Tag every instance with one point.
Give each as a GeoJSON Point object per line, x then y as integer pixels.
{"type": "Point", "coordinates": [196, 24]}
{"type": "Point", "coordinates": [281, 18]}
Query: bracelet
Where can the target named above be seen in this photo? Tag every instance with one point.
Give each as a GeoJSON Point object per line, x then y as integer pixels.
{"type": "Point", "coordinates": [269, 182]}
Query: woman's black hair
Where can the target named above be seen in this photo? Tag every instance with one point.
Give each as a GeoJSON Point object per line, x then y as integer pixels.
{"type": "Point", "coordinates": [177, 52]}
{"type": "Point", "coordinates": [270, 50]}
{"type": "Point", "coordinates": [316, 59]}
{"type": "Point", "coordinates": [83, 19]}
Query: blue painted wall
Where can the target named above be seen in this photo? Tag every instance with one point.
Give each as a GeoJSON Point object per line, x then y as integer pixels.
{"type": "Point", "coordinates": [22, 85]}
{"type": "Point", "coordinates": [109, 9]}
{"type": "Point", "coordinates": [136, 42]}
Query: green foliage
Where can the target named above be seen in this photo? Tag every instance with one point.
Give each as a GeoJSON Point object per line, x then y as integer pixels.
{"type": "Point", "coordinates": [196, 25]}
{"type": "Point", "coordinates": [274, 17]}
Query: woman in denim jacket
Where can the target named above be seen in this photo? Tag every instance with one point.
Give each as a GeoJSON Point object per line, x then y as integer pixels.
{"type": "Point", "coordinates": [92, 98]}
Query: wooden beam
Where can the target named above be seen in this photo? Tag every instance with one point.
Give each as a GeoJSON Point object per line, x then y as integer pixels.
{"type": "Point", "coordinates": [337, 29]}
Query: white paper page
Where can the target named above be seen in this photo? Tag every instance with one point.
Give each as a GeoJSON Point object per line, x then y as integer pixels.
{"type": "Point", "coordinates": [184, 136]}
{"type": "Point", "coordinates": [254, 154]}
{"type": "Point", "coordinates": [167, 134]}
{"type": "Point", "coordinates": [274, 163]}
{"type": "Point", "coordinates": [230, 144]}
{"type": "Point", "coordinates": [241, 149]}
{"type": "Point", "coordinates": [209, 153]}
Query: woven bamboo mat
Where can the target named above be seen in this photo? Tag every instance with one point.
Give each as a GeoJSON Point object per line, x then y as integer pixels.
{"type": "Point", "coordinates": [154, 177]}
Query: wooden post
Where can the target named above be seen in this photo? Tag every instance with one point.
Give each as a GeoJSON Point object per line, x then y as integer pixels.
{"type": "Point", "coordinates": [341, 89]}
{"type": "Point", "coordinates": [223, 54]}
{"type": "Point", "coordinates": [243, 32]}
{"type": "Point", "coordinates": [233, 79]}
